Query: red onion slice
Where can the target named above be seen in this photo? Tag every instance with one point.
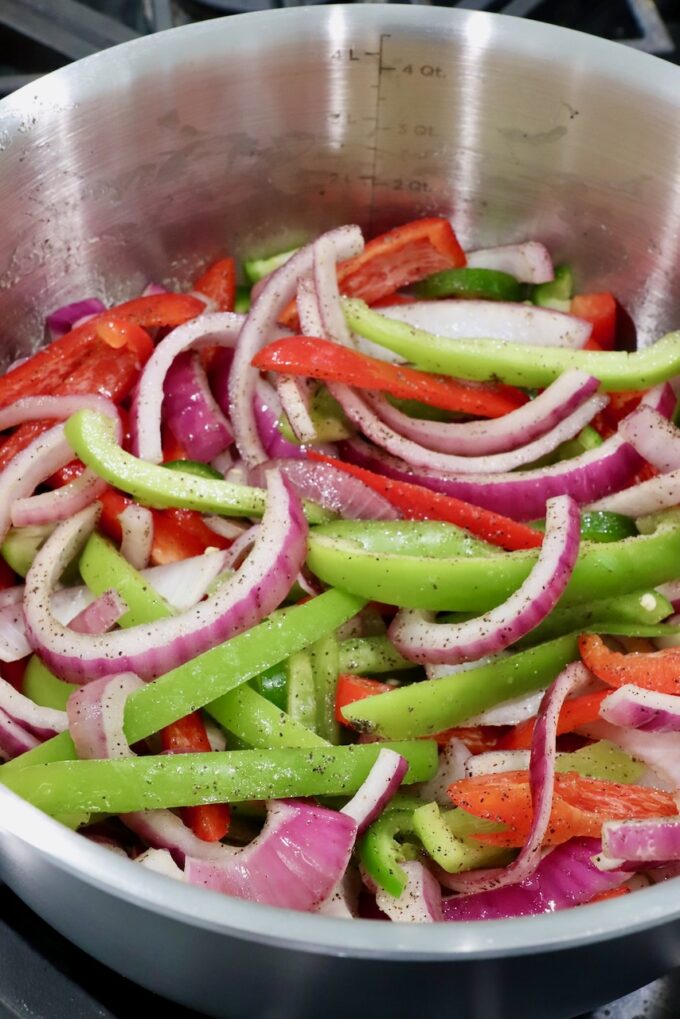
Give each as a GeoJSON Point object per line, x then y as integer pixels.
{"type": "Point", "coordinates": [496, 435]}
{"type": "Point", "coordinates": [635, 708]}
{"type": "Point", "coordinates": [293, 392]}
{"type": "Point", "coordinates": [57, 408]}
{"type": "Point", "coordinates": [541, 783]}
{"type": "Point", "coordinates": [659, 493]}
{"type": "Point", "coordinates": [308, 308]}
{"type": "Point", "coordinates": [419, 638]}
{"type": "Point", "coordinates": [95, 716]}
{"type": "Point", "coordinates": [45, 455]}
{"type": "Point", "coordinates": [230, 529]}
{"type": "Point", "coordinates": [136, 524]}
{"type": "Point", "coordinates": [51, 507]}
{"type": "Point", "coordinates": [74, 606]}
{"type": "Point", "coordinates": [496, 320]}
{"type": "Point", "coordinates": [160, 861]}
{"type": "Point", "coordinates": [63, 319]}
{"type": "Point", "coordinates": [43, 722]}
{"type": "Point", "coordinates": [295, 862]}
{"type": "Point", "coordinates": [496, 762]}
{"type": "Point", "coordinates": [510, 712]}
{"type": "Point", "coordinates": [419, 902]}
{"type": "Point", "coordinates": [565, 877]}
{"type": "Point", "coordinates": [653, 840]}
{"type": "Point", "coordinates": [11, 596]}
{"type": "Point", "coordinates": [267, 413]}
{"type": "Point", "coordinates": [382, 783]}
{"type": "Point", "coordinates": [328, 292]}
{"type": "Point", "coordinates": [331, 488]}
{"type": "Point", "coordinates": [358, 410]}
{"type": "Point", "coordinates": [237, 552]}
{"type": "Point", "coordinates": [100, 615]}
{"type": "Point", "coordinates": [215, 329]}
{"type": "Point", "coordinates": [150, 650]}
{"type": "Point", "coordinates": [529, 262]}
{"type": "Point", "coordinates": [162, 829]}
{"type": "Point", "coordinates": [191, 410]}
{"type": "Point", "coordinates": [280, 287]}
{"type": "Point", "coordinates": [655, 438]}
{"type": "Point", "coordinates": [522, 495]}
{"type": "Point", "coordinates": [451, 768]}
{"type": "Point", "coordinates": [14, 739]}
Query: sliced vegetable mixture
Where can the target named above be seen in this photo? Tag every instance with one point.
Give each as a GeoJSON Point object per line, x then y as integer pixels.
{"type": "Point", "coordinates": [352, 592]}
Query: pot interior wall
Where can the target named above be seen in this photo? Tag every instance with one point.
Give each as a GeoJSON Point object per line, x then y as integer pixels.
{"type": "Point", "coordinates": [250, 134]}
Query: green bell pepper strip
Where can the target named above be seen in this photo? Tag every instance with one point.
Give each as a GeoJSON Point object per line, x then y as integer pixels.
{"type": "Point", "coordinates": [470, 583]}
{"type": "Point", "coordinates": [370, 654]}
{"type": "Point", "coordinates": [325, 661]}
{"type": "Point", "coordinates": [556, 294]}
{"type": "Point", "coordinates": [21, 545]}
{"type": "Point", "coordinates": [485, 284]}
{"type": "Point", "coordinates": [602, 760]}
{"type": "Point", "coordinates": [120, 785]}
{"type": "Point", "coordinates": [272, 684]}
{"type": "Point", "coordinates": [242, 300]}
{"type": "Point", "coordinates": [422, 709]}
{"type": "Point", "coordinates": [586, 439]}
{"type": "Point", "coordinates": [103, 568]}
{"type": "Point", "coordinates": [328, 418]}
{"type": "Point", "coordinates": [256, 269]}
{"type": "Point", "coordinates": [453, 854]}
{"type": "Point", "coordinates": [195, 467]}
{"type": "Point", "coordinates": [410, 537]}
{"type": "Point", "coordinates": [301, 690]}
{"type": "Point", "coordinates": [380, 852]}
{"type": "Point", "coordinates": [259, 723]}
{"type": "Point", "coordinates": [639, 609]}
{"type": "Point", "coordinates": [518, 364]}
{"type": "Point", "coordinates": [43, 687]}
{"type": "Point", "coordinates": [196, 683]}
{"type": "Point", "coordinates": [600, 525]}
{"type": "Point", "coordinates": [91, 437]}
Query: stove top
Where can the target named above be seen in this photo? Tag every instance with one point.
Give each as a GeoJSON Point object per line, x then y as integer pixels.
{"type": "Point", "coordinates": [42, 976]}
{"type": "Point", "coordinates": [40, 35]}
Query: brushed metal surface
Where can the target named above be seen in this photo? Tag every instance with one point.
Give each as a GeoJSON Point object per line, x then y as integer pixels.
{"type": "Point", "coordinates": [250, 135]}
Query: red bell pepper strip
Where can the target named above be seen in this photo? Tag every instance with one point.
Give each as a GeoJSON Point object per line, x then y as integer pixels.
{"type": "Point", "coordinates": [43, 373]}
{"type": "Point", "coordinates": [172, 448]}
{"type": "Point", "coordinates": [187, 735]}
{"type": "Point", "coordinates": [575, 713]}
{"type": "Point", "coordinates": [613, 893]}
{"type": "Point", "coordinates": [395, 259]}
{"type": "Point", "coordinates": [352, 688]}
{"type": "Point", "coordinates": [218, 282]}
{"type": "Point", "coordinates": [619, 406]}
{"type": "Point", "coordinates": [103, 371]}
{"type": "Point", "coordinates": [117, 333]}
{"type": "Point", "coordinates": [580, 805]}
{"type": "Point", "coordinates": [179, 534]}
{"type": "Point", "coordinates": [321, 359]}
{"type": "Point", "coordinates": [600, 311]}
{"type": "Point", "coordinates": [418, 503]}
{"type": "Point", "coordinates": [477, 738]}
{"type": "Point", "coordinates": [655, 670]}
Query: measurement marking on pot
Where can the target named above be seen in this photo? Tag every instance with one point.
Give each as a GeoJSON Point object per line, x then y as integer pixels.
{"type": "Point", "coordinates": [389, 116]}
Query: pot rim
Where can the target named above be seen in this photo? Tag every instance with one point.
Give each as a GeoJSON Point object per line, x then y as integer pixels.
{"type": "Point", "coordinates": [101, 74]}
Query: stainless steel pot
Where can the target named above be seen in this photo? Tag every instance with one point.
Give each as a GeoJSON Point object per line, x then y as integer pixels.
{"type": "Point", "coordinates": [248, 135]}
